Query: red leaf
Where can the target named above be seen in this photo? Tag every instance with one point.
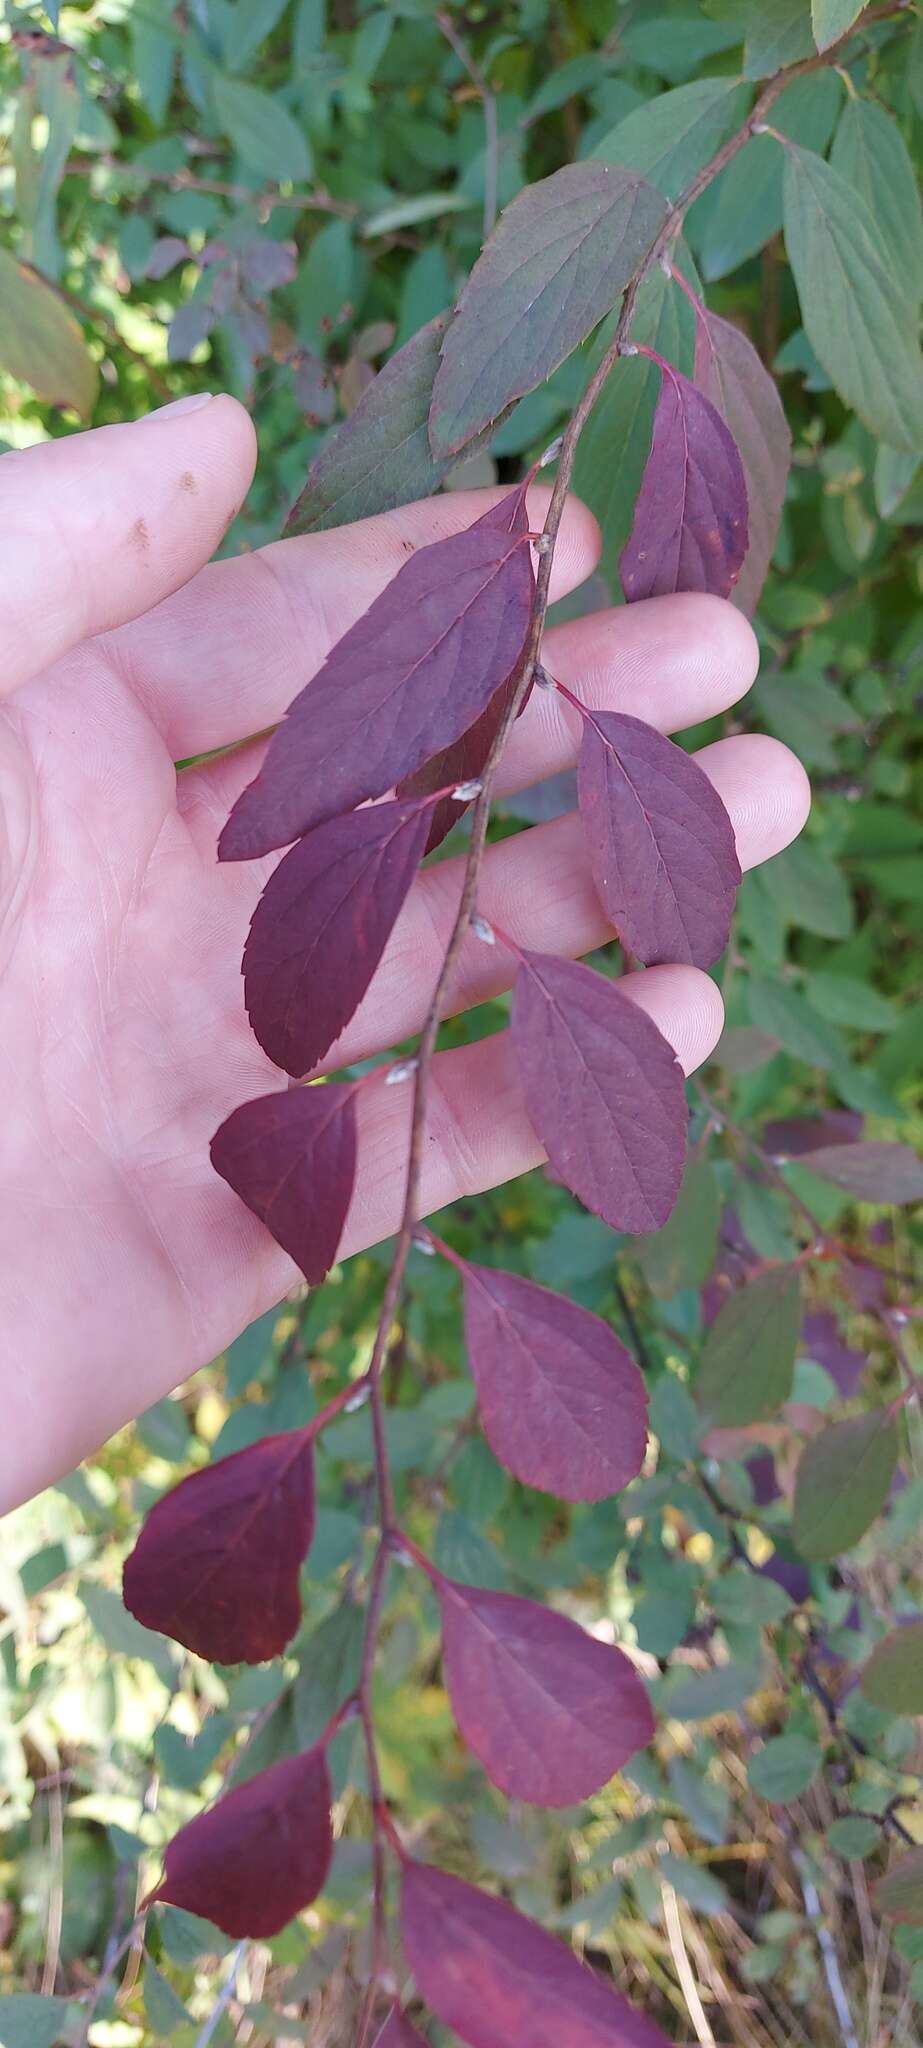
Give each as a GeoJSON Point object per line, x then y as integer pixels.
{"type": "Point", "coordinates": [729, 372]}
{"type": "Point", "coordinates": [603, 1089]}
{"type": "Point", "coordinates": [407, 680]}
{"type": "Point", "coordinates": [499, 1980]}
{"type": "Point", "coordinates": [562, 1402]}
{"type": "Point", "coordinates": [259, 1855]}
{"type": "Point", "coordinates": [690, 524]}
{"type": "Point", "coordinates": [292, 1159]}
{"type": "Point", "coordinates": [463, 762]}
{"type": "Point", "coordinates": [661, 843]}
{"type": "Point", "coordinates": [550, 1712]}
{"type": "Point", "coordinates": [217, 1562]}
{"type": "Point", "coordinates": [790, 1137]}
{"type": "Point", "coordinates": [397, 2032]}
{"type": "Point", "coordinates": [321, 926]}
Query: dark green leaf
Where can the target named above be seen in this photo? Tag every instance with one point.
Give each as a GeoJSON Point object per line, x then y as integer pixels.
{"type": "Point", "coordinates": [262, 130]}
{"type": "Point", "coordinates": [745, 210]}
{"type": "Point", "coordinates": [853, 1836]}
{"type": "Point", "coordinates": [329, 1661]}
{"type": "Point", "coordinates": [784, 1767]}
{"type": "Point", "coordinates": [778, 34]}
{"type": "Point", "coordinates": [682, 1253]}
{"type": "Point", "coordinates": [893, 1676]}
{"type": "Point", "coordinates": [831, 19]}
{"type": "Point", "coordinates": [869, 151]}
{"type": "Point", "coordinates": [749, 1357]}
{"type": "Point", "coordinates": [381, 456]}
{"type": "Point", "coordinates": [670, 138]}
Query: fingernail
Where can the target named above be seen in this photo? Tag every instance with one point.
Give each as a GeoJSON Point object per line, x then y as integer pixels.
{"type": "Point", "coordinates": [192, 404]}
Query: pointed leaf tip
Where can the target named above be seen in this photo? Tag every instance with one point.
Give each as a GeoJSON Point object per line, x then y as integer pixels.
{"type": "Point", "coordinates": [603, 1089]}
{"type": "Point", "coordinates": [562, 1402]}
{"type": "Point", "coordinates": [690, 525]}
{"type": "Point", "coordinates": [292, 1158]}
{"type": "Point", "coordinates": [550, 1712]}
{"type": "Point", "coordinates": [321, 927]}
{"type": "Point", "coordinates": [405, 682]}
{"type": "Point", "coordinates": [217, 1563]}
{"type": "Point", "coordinates": [661, 843]}
{"type": "Point", "coordinates": [497, 1979]}
{"type": "Point", "coordinates": [259, 1855]}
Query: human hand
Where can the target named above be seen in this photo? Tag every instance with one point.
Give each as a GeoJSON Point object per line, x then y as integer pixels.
{"type": "Point", "coordinates": [126, 1262]}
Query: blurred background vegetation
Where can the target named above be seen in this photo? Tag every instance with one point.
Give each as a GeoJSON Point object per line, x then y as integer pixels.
{"type": "Point", "coordinates": [268, 196]}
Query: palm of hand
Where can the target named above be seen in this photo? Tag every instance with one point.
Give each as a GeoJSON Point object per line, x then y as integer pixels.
{"type": "Point", "coordinates": [123, 1037]}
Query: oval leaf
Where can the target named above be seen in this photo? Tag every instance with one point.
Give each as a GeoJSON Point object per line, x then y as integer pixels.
{"type": "Point", "coordinates": [463, 762]}
{"type": "Point", "coordinates": [900, 1891]}
{"type": "Point", "coordinates": [321, 926]}
{"type": "Point", "coordinates": [217, 1562]}
{"type": "Point", "coordinates": [40, 341]}
{"type": "Point", "coordinates": [690, 523]}
{"type": "Point", "coordinates": [603, 1089]}
{"type": "Point", "coordinates": [748, 1361]}
{"type": "Point", "coordinates": [380, 457]}
{"type": "Point", "coordinates": [407, 680]}
{"type": "Point", "coordinates": [557, 261]}
{"type": "Point", "coordinates": [874, 1172]}
{"type": "Point", "coordinates": [729, 371]}
{"type": "Point", "coordinates": [497, 1979]}
{"type": "Point", "coordinates": [661, 843]}
{"type": "Point", "coordinates": [893, 1676]}
{"type": "Point", "coordinates": [292, 1159]}
{"type": "Point", "coordinates": [550, 1712]}
{"type": "Point", "coordinates": [843, 1480]}
{"type": "Point", "coordinates": [562, 1402]}
{"type": "Point", "coordinates": [857, 316]}
{"type": "Point", "coordinates": [259, 1855]}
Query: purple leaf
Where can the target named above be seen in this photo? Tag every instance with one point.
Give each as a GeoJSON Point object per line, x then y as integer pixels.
{"type": "Point", "coordinates": [562, 1402]}
{"type": "Point", "coordinates": [259, 1855]}
{"type": "Point", "coordinates": [557, 261]}
{"type": "Point", "coordinates": [873, 1172]}
{"type": "Point", "coordinates": [267, 264]}
{"type": "Point", "coordinates": [166, 253]}
{"type": "Point", "coordinates": [217, 1562]}
{"type": "Point", "coordinates": [789, 1137]}
{"type": "Point", "coordinates": [463, 762]}
{"type": "Point", "coordinates": [321, 926]}
{"type": "Point", "coordinates": [550, 1712]}
{"type": "Point", "coordinates": [690, 523]}
{"type": "Point", "coordinates": [502, 1982]}
{"type": "Point", "coordinates": [603, 1089]}
{"type": "Point", "coordinates": [292, 1159]}
{"type": "Point", "coordinates": [661, 843]}
{"type": "Point", "coordinates": [397, 2032]}
{"type": "Point", "coordinates": [729, 371]}
{"type": "Point", "coordinates": [406, 681]}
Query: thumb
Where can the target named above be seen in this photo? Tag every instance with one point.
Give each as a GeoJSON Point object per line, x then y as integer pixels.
{"type": "Point", "coordinates": [99, 527]}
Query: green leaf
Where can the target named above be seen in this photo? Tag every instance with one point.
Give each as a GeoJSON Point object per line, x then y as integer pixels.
{"type": "Point", "coordinates": [245, 26]}
{"type": "Point", "coordinates": [381, 455]}
{"type": "Point", "coordinates": [872, 1170]}
{"type": "Point", "coordinates": [262, 130]}
{"type": "Point", "coordinates": [842, 1483]}
{"type": "Point", "coordinates": [682, 1253]}
{"type": "Point", "coordinates": [784, 1767]}
{"type": "Point", "coordinates": [28, 2020]}
{"type": "Point", "coordinates": [701, 1890]}
{"type": "Point", "coordinates": [670, 138]}
{"type": "Point", "coordinates": [719, 1691]}
{"type": "Point", "coordinates": [165, 1431]}
{"type": "Point", "coordinates": [845, 1000]}
{"type": "Point", "coordinates": [409, 213]}
{"type": "Point", "coordinates": [329, 1661]}
{"type": "Point", "coordinates": [673, 1417]}
{"type": "Point", "coordinates": [779, 1009]}
{"type": "Point", "coordinates": [163, 2009]}
{"type": "Point", "coordinates": [249, 1353]}
{"type": "Point", "coordinates": [895, 469]}
{"type": "Point", "coordinates": [831, 19]}
{"type": "Point", "coordinates": [893, 1676]}
{"type": "Point", "coordinates": [870, 153]}
{"type": "Point", "coordinates": [41, 343]}
{"type": "Point", "coordinates": [778, 34]}
{"type": "Point", "coordinates": [900, 1892]}
{"type": "Point", "coordinates": [812, 889]}
{"type": "Point", "coordinates": [748, 1360]}
{"type": "Point", "coordinates": [857, 316]}
{"type": "Point", "coordinates": [853, 1836]}
{"type": "Point", "coordinates": [745, 210]}
{"type": "Point", "coordinates": [123, 1634]}
{"type": "Point", "coordinates": [562, 253]}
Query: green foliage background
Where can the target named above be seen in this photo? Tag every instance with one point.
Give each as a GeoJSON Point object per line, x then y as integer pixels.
{"type": "Point", "coordinates": [267, 196]}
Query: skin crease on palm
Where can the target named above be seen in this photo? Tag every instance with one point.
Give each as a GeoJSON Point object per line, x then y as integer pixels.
{"type": "Point", "coordinates": [126, 1262]}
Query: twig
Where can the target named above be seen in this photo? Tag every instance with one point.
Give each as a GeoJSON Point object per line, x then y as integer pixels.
{"type": "Point", "coordinates": [683, 1967]}
{"type": "Point", "coordinates": [224, 1997]}
{"type": "Point", "coordinates": [489, 104]}
{"type": "Point", "coordinates": [56, 1889]}
{"type": "Point", "coordinates": [828, 1952]}
{"type": "Point", "coordinates": [187, 181]}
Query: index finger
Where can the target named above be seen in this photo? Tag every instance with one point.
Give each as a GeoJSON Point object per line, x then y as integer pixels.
{"type": "Point", "coordinates": [96, 528]}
